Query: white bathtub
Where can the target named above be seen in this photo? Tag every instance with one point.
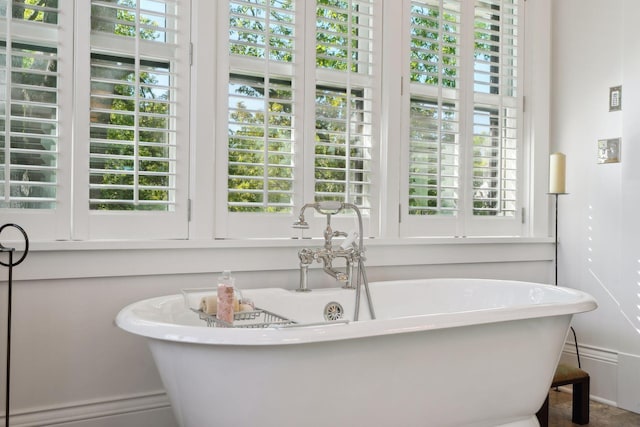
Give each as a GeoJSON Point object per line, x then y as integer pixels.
{"type": "Point", "coordinates": [442, 352]}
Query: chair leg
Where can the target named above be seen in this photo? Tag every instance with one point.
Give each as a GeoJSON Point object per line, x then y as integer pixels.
{"type": "Point", "coordinates": [581, 402]}
{"type": "Point", "coordinates": [543, 413]}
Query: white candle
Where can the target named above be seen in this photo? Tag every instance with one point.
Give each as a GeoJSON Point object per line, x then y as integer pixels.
{"type": "Point", "coordinates": [557, 171]}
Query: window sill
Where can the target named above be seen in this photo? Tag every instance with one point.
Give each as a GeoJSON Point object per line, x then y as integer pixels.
{"type": "Point", "coordinates": [80, 259]}
{"type": "Point", "coordinates": [40, 246]}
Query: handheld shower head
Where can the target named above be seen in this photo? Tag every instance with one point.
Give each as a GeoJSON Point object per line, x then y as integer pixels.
{"type": "Point", "coordinates": [329, 207]}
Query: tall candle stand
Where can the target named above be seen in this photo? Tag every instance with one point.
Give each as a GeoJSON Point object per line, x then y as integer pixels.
{"type": "Point", "coordinates": [555, 258]}
{"type": "Point", "coordinates": [10, 264]}
{"type": "Point", "coordinates": [555, 261]}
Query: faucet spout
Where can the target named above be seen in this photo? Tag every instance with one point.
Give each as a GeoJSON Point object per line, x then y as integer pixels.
{"type": "Point", "coordinates": [338, 275]}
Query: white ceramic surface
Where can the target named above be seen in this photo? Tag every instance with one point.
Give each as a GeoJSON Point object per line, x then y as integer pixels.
{"type": "Point", "coordinates": [442, 352]}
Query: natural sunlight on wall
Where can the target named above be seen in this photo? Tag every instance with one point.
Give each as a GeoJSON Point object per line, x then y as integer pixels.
{"type": "Point", "coordinates": [632, 318]}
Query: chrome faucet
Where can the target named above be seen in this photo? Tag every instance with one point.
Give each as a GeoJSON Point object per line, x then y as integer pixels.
{"type": "Point", "coordinates": [352, 252]}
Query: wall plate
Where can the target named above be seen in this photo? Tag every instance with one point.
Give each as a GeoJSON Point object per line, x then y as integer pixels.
{"type": "Point", "coordinates": [615, 98]}
{"type": "Point", "coordinates": [609, 150]}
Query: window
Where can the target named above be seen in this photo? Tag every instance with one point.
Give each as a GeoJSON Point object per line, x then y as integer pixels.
{"type": "Point", "coordinates": [138, 80]}
{"type": "Point", "coordinates": [345, 102]}
{"type": "Point", "coordinates": [117, 126]}
{"type": "Point", "coordinates": [464, 142]}
{"type": "Point", "coordinates": [300, 112]}
{"type": "Point", "coordinates": [31, 172]}
{"type": "Point", "coordinates": [464, 146]}
{"type": "Point", "coordinates": [261, 115]}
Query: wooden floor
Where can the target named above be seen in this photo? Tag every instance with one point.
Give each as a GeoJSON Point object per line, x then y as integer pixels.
{"type": "Point", "coordinates": [600, 415]}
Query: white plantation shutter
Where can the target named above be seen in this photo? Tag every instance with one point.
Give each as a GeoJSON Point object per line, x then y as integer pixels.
{"type": "Point", "coordinates": [464, 135]}
{"type": "Point", "coordinates": [261, 98]}
{"type": "Point", "coordinates": [344, 36]}
{"type": "Point", "coordinates": [434, 158]}
{"type": "Point", "coordinates": [435, 43]}
{"type": "Point", "coordinates": [262, 29]}
{"type": "Point", "coordinates": [345, 90]}
{"type": "Point", "coordinates": [30, 130]}
{"type": "Point", "coordinates": [280, 155]}
{"type": "Point", "coordinates": [496, 114]}
{"type": "Point", "coordinates": [495, 160]}
{"type": "Point", "coordinates": [97, 140]}
{"type": "Point", "coordinates": [496, 47]}
{"type": "Point", "coordinates": [343, 158]}
{"type": "Point", "coordinates": [260, 145]}
{"type": "Point", "coordinates": [434, 125]}
{"type": "Point", "coordinates": [139, 69]}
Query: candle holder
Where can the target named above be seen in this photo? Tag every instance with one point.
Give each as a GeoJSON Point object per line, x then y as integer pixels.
{"type": "Point", "coordinates": [555, 262]}
{"type": "Point", "coordinates": [555, 258]}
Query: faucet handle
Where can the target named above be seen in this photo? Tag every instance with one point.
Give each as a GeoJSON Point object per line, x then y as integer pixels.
{"type": "Point", "coordinates": [306, 256]}
{"type": "Point", "coordinates": [342, 277]}
{"type": "Point", "coordinates": [348, 241]}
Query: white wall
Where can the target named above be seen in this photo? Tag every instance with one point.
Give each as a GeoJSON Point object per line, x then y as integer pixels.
{"type": "Point", "coordinates": [595, 46]}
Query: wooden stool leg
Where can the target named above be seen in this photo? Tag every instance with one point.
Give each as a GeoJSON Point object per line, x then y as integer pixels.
{"type": "Point", "coordinates": [543, 413]}
{"type": "Point", "coordinates": [581, 402]}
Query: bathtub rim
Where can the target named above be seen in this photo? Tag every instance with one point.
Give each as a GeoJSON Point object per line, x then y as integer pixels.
{"type": "Point", "coordinates": [128, 320]}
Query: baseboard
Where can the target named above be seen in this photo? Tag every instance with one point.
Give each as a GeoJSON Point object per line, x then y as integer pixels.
{"type": "Point", "coordinates": [602, 366]}
{"type": "Point", "coordinates": [569, 389]}
{"type": "Point", "coordinates": [85, 413]}
{"type": "Point", "coordinates": [592, 353]}
{"type": "Point", "coordinates": [629, 382]}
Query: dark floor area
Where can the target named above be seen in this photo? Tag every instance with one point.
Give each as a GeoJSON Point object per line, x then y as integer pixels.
{"type": "Point", "coordinates": [600, 415]}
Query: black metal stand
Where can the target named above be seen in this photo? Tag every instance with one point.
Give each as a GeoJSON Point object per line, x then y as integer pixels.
{"type": "Point", "coordinates": [575, 340]}
{"type": "Point", "coordinates": [555, 258]}
{"type": "Point", "coordinates": [10, 265]}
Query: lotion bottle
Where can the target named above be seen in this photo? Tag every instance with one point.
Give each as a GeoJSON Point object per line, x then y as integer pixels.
{"type": "Point", "coordinates": [225, 297]}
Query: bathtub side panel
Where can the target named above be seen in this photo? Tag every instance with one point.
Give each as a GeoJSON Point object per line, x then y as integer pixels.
{"type": "Point", "coordinates": [477, 376]}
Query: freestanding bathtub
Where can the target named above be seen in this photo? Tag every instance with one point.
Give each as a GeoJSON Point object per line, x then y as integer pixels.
{"type": "Point", "coordinates": [442, 352]}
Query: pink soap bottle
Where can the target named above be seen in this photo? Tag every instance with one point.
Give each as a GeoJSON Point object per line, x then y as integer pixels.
{"type": "Point", "coordinates": [225, 297]}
